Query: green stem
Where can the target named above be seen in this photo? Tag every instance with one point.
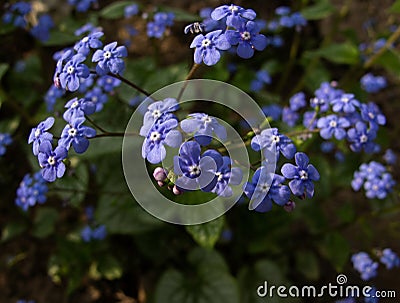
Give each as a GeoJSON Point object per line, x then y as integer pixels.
{"type": "Point", "coordinates": [188, 77]}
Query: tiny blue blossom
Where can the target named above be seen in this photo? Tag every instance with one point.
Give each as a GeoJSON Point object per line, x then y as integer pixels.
{"type": "Point", "coordinates": [247, 36]}
{"type": "Point", "coordinates": [373, 84]}
{"type": "Point", "coordinates": [78, 108]}
{"type": "Point", "coordinates": [97, 97]}
{"type": "Point", "coordinates": [51, 161]}
{"type": "Point", "coordinates": [270, 140]}
{"type": "Point", "coordinates": [17, 14]}
{"type": "Point", "coordinates": [289, 116]}
{"type": "Point", "coordinates": [203, 126]}
{"type": "Point", "coordinates": [88, 42]}
{"type": "Point", "coordinates": [208, 47]}
{"type": "Point", "coordinates": [297, 101]}
{"type": "Point", "coordinates": [89, 234]}
{"type": "Point", "coordinates": [370, 113]}
{"type": "Point", "coordinates": [31, 190]}
{"type": "Point", "coordinates": [390, 258]}
{"type": "Point", "coordinates": [82, 5]}
{"type": "Point", "coordinates": [41, 30]}
{"type": "Point", "coordinates": [73, 70]}
{"type": "Point", "coordinates": [390, 157]}
{"type": "Point", "coordinates": [346, 103]}
{"type": "Point", "coordinates": [77, 135]}
{"type": "Point", "coordinates": [5, 140]}
{"type": "Point", "coordinates": [131, 10]}
{"type": "Point", "coordinates": [233, 13]}
{"type": "Point", "coordinates": [39, 134]}
{"type": "Point", "coordinates": [364, 265]}
{"type": "Point", "coordinates": [262, 78]}
{"type": "Point", "coordinates": [371, 296]}
{"type": "Point", "coordinates": [109, 59]}
{"type": "Point", "coordinates": [303, 175]}
{"type": "Point", "coordinates": [362, 138]}
{"type": "Point", "coordinates": [333, 125]}
{"type": "Point", "coordinates": [264, 188]}
{"type": "Point", "coordinates": [324, 95]}
{"type": "Point", "coordinates": [274, 111]}
{"type": "Point", "coordinates": [155, 30]}
{"type": "Point", "coordinates": [309, 119]}
{"type": "Point", "coordinates": [108, 83]}
{"type": "Point", "coordinates": [51, 97]}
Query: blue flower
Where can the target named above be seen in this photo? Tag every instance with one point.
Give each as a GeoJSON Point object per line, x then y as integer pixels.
{"type": "Point", "coordinates": [270, 140]}
{"type": "Point", "coordinates": [274, 111]}
{"type": "Point", "coordinates": [61, 56]}
{"type": "Point", "coordinates": [324, 96]}
{"type": "Point", "coordinates": [225, 174]}
{"type": "Point", "coordinates": [82, 5]}
{"type": "Point", "coordinates": [372, 296]}
{"type": "Point", "coordinates": [264, 188]}
{"type": "Point", "coordinates": [108, 83]}
{"type": "Point", "coordinates": [233, 13]}
{"type": "Point", "coordinates": [162, 132]}
{"type": "Point", "coordinates": [362, 138]}
{"type": "Point", "coordinates": [262, 77]}
{"type": "Point", "coordinates": [303, 175]}
{"type": "Point", "coordinates": [88, 233]}
{"type": "Point", "coordinates": [248, 36]}
{"type": "Point", "coordinates": [78, 108]}
{"type": "Point", "coordinates": [390, 157]}
{"type": "Point", "coordinates": [154, 111]}
{"type": "Point", "coordinates": [109, 59]}
{"type": "Point", "coordinates": [379, 187]}
{"type": "Point", "coordinates": [17, 13]}
{"type": "Point", "coordinates": [39, 134]}
{"type": "Point", "coordinates": [289, 116]}
{"type": "Point", "coordinates": [131, 10]}
{"type": "Point", "coordinates": [91, 41]}
{"type": "Point", "coordinates": [210, 24]}
{"type": "Point", "coordinates": [164, 19]}
{"type": "Point", "coordinates": [196, 171]}
{"type": "Point", "coordinates": [208, 47]}
{"type": "Point", "coordinates": [298, 19]}
{"type": "Point", "coordinates": [370, 113]}
{"type": "Point", "coordinates": [364, 265]}
{"type": "Point", "coordinates": [203, 126]}
{"type": "Point", "coordinates": [346, 103]}
{"type": "Point", "coordinates": [372, 84]}
{"type": "Point", "coordinates": [76, 134]}
{"type": "Point", "coordinates": [309, 119]}
{"type": "Point", "coordinates": [390, 258]}
{"type": "Point", "coordinates": [41, 31]}
{"type": "Point", "coordinates": [85, 84]}
{"type": "Point", "coordinates": [86, 28]}
{"type": "Point", "coordinates": [5, 140]}
{"type": "Point", "coordinates": [51, 161]}
{"type": "Point", "coordinates": [297, 101]}
{"type": "Point", "coordinates": [155, 30]}
{"type": "Point", "coordinates": [73, 70]}
{"type": "Point", "coordinates": [282, 10]}
{"type": "Point", "coordinates": [97, 97]}
{"type": "Point", "coordinates": [333, 125]}
{"type": "Point", "coordinates": [51, 97]}
{"type": "Point", "coordinates": [31, 191]}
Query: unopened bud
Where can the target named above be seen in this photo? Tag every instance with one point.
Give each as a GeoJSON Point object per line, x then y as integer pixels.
{"type": "Point", "coordinates": [160, 174]}
{"type": "Point", "coordinates": [177, 191]}
{"type": "Point", "coordinates": [160, 183]}
{"type": "Point", "coordinates": [289, 206]}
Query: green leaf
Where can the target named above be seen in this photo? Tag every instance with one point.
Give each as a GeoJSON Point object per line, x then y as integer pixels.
{"type": "Point", "coordinates": [345, 53]}
{"type": "Point", "coordinates": [11, 230]}
{"type": "Point", "coordinates": [206, 234]}
{"type": "Point", "coordinates": [122, 215]}
{"type": "Point", "coordinates": [320, 10]}
{"type": "Point", "coordinates": [44, 222]}
{"type": "Point", "coordinates": [60, 38]}
{"type": "Point", "coordinates": [307, 264]}
{"type": "Point", "coordinates": [3, 69]}
{"type": "Point", "coordinates": [390, 60]}
{"type": "Point", "coordinates": [203, 283]}
{"type": "Point", "coordinates": [110, 268]}
{"type": "Point", "coordinates": [336, 249]}
{"type": "Point", "coordinates": [115, 10]}
{"type": "Point", "coordinates": [395, 8]}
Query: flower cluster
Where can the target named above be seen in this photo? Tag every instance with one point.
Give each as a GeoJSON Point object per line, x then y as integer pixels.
{"type": "Point", "coordinates": [161, 21]}
{"type": "Point", "coordinates": [372, 84]}
{"type": "Point", "coordinates": [363, 263]}
{"type": "Point", "coordinates": [262, 78]}
{"type": "Point", "coordinates": [31, 190]}
{"type": "Point", "coordinates": [232, 27]}
{"type": "Point", "coordinates": [5, 140]}
{"type": "Point", "coordinates": [16, 14]}
{"type": "Point", "coordinates": [41, 30]}
{"type": "Point", "coordinates": [375, 179]}
{"type": "Point", "coordinates": [287, 19]}
{"type": "Point", "coordinates": [89, 233]}
{"type": "Point", "coordinates": [71, 71]}
{"type": "Point", "coordinates": [82, 5]}
{"type": "Point", "coordinates": [131, 10]}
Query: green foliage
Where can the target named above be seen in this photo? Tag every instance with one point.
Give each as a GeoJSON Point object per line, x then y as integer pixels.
{"type": "Point", "coordinates": [115, 10]}
{"type": "Point", "coordinates": [44, 223]}
{"type": "Point", "coordinates": [320, 10]}
{"type": "Point", "coordinates": [344, 53]}
{"type": "Point", "coordinates": [207, 234]}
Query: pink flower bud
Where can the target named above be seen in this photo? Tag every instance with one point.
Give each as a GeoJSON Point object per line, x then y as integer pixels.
{"type": "Point", "coordinates": [160, 174]}
{"type": "Point", "coordinates": [177, 191]}
{"type": "Point", "coordinates": [289, 206]}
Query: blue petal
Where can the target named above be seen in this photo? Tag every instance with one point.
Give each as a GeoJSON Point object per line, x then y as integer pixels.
{"type": "Point", "coordinates": [259, 42]}
{"type": "Point", "coordinates": [289, 171]}
{"type": "Point", "coordinates": [245, 51]}
{"type": "Point", "coordinates": [301, 159]}
{"type": "Point", "coordinates": [211, 56]}
{"type": "Point", "coordinates": [173, 138]}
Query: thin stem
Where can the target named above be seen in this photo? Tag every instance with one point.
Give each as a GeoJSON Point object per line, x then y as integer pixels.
{"type": "Point", "coordinates": [96, 125]}
{"type": "Point", "coordinates": [126, 81]}
{"type": "Point", "coordinates": [380, 52]}
{"type": "Point", "coordinates": [188, 77]}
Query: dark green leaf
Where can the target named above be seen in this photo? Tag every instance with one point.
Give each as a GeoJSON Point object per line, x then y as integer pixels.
{"type": "Point", "coordinates": [45, 221]}
{"type": "Point", "coordinates": [395, 8]}
{"type": "Point", "coordinates": [115, 10]}
{"type": "Point", "coordinates": [12, 230]}
{"type": "Point", "coordinates": [336, 249]}
{"type": "Point", "coordinates": [307, 264]}
{"type": "Point", "coordinates": [58, 38]}
{"type": "Point", "coordinates": [206, 234]}
{"type": "Point", "coordinates": [345, 53]}
{"type": "Point", "coordinates": [109, 268]}
{"type": "Point", "coordinates": [390, 60]}
{"type": "Point", "coordinates": [3, 69]}
{"type": "Point", "coordinates": [320, 10]}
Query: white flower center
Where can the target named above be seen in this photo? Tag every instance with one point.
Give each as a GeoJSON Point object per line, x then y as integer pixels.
{"type": "Point", "coordinates": [205, 42]}
{"type": "Point", "coordinates": [86, 39]}
{"type": "Point", "coordinates": [371, 115]}
{"type": "Point", "coordinates": [70, 69]}
{"type": "Point", "coordinates": [109, 80]}
{"type": "Point", "coordinates": [303, 175]}
{"type": "Point", "coordinates": [265, 187]}
{"type": "Point", "coordinates": [107, 55]}
{"type": "Point", "coordinates": [246, 36]}
{"type": "Point", "coordinates": [333, 123]}
{"type": "Point", "coordinates": [194, 170]}
{"type": "Point", "coordinates": [72, 132]}
{"type": "Point", "coordinates": [233, 8]}
{"type": "Point", "coordinates": [94, 99]}
{"type": "Point", "coordinates": [37, 132]}
{"type": "Point", "coordinates": [51, 160]}
{"type": "Point", "coordinates": [345, 99]}
{"type": "Point", "coordinates": [275, 139]}
{"type": "Point", "coordinates": [156, 113]}
{"type": "Point", "coordinates": [363, 139]}
{"type": "Point", "coordinates": [155, 136]}
{"type": "Point", "coordinates": [75, 104]}
{"type": "Point", "coordinates": [375, 187]}
{"type": "Point", "coordinates": [206, 119]}
{"type": "Point", "coordinates": [219, 176]}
